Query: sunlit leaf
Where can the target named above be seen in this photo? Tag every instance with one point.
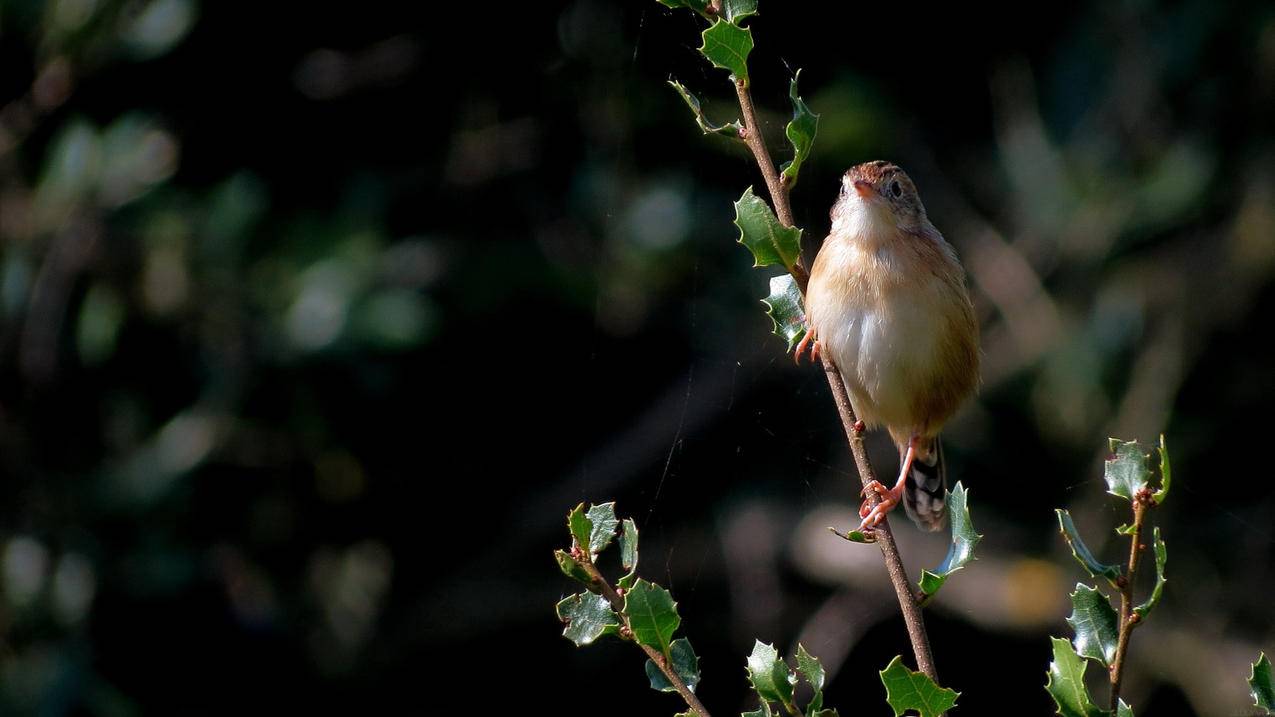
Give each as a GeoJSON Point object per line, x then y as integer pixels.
{"type": "Point", "coordinates": [1066, 683]}
{"type": "Point", "coordinates": [588, 617]}
{"type": "Point", "coordinates": [784, 307]}
{"type": "Point", "coordinates": [652, 615]}
{"type": "Point", "coordinates": [1096, 624]}
{"type": "Point", "coordinates": [1123, 710]}
{"type": "Point", "coordinates": [760, 231]}
{"type": "Point", "coordinates": [727, 45]}
{"type": "Point", "coordinates": [908, 690]}
{"type": "Point", "coordinates": [1260, 684]}
{"type": "Point", "coordinates": [769, 674]}
{"type": "Point", "coordinates": [801, 132]}
{"type": "Point", "coordinates": [629, 552]}
{"type": "Point", "coordinates": [603, 521]}
{"type": "Point", "coordinates": [736, 10]}
{"type": "Point", "coordinates": [1081, 551]}
{"type": "Point", "coordinates": [685, 665]}
{"type": "Point", "coordinates": [580, 526]}
{"type": "Point", "coordinates": [730, 129]}
{"type": "Point", "coordinates": [571, 567]}
{"type": "Point", "coordinates": [1126, 471]}
{"type": "Point", "coordinates": [1165, 474]}
{"type": "Point", "coordinates": [1161, 558]}
{"type": "Point", "coordinates": [961, 550]}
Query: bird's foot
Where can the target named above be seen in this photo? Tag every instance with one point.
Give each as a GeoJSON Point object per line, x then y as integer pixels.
{"type": "Point", "coordinates": [889, 498]}
{"type": "Point", "coordinates": [811, 341]}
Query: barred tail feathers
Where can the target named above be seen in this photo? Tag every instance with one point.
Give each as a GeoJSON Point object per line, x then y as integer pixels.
{"type": "Point", "coordinates": [925, 493]}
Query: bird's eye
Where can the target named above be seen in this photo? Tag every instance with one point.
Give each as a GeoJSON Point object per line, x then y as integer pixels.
{"type": "Point", "coordinates": [896, 189]}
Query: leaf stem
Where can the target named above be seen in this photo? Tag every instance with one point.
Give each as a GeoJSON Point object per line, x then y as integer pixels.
{"type": "Point", "coordinates": [661, 661]}
{"type": "Point", "coordinates": [1128, 620]}
{"type": "Point", "coordinates": [909, 602]}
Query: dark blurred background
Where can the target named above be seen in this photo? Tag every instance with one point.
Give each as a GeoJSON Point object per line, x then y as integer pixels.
{"type": "Point", "coordinates": [315, 322]}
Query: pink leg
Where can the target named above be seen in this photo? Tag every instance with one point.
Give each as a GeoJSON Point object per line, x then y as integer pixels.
{"type": "Point", "coordinates": [807, 341]}
{"type": "Point", "coordinates": [872, 516]}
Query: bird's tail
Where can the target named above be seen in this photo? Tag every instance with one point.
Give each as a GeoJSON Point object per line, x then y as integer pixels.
{"type": "Point", "coordinates": [925, 494]}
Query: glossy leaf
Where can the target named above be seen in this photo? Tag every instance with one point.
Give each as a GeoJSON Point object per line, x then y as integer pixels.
{"type": "Point", "coordinates": [812, 670]}
{"type": "Point", "coordinates": [629, 553]}
{"type": "Point", "coordinates": [961, 550]}
{"type": "Point", "coordinates": [1126, 471]}
{"type": "Point", "coordinates": [908, 690]}
{"type": "Point", "coordinates": [652, 615]}
{"type": "Point", "coordinates": [685, 665]}
{"type": "Point", "coordinates": [769, 674]}
{"type": "Point", "coordinates": [603, 521]}
{"type": "Point", "coordinates": [580, 526]}
{"type": "Point", "coordinates": [1081, 551]}
{"type": "Point", "coordinates": [1260, 684]}
{"type": "Point", "coordinates": [760, 231]}
{"type": "Point", "coordinates": [1096, 624]}
{"type": "Point", "coordinates": [1161, 558]}
{"type": "Point", "coordinates": [736, 10]}
{"type": "Point", "coordinates": [784, 307]}
{"type": "Point", "coordinates": [854, 536]}
{"type": "Point", "coordinates": [1066, 683]}
{"type": "Point", "coordinates": [1123, 710]}
{"type": "Point", "coordinates": [801, 132]}
{"type": "Point", "coordinates": [727, 45]}
{"type": "Point", "coordinates": [763, 711]}
{"type": "Point", "coordinates": [730, 129]}
{"type": "Point", "coordinates": [1166, 474]}
{"type": "Point", "coordinates": [572, 567]}
{"type": "Point", "coordinates": [588, 617]}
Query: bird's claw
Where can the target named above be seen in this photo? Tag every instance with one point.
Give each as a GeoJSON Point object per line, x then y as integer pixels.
{"type": "Point", "coordinates": [808, 341]}
{"type": "Point", "coordinates": [873, 515]}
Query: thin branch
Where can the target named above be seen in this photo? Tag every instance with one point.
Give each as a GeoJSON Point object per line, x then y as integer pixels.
{"type": "Point", "coordinates": [908, 601]}
{"type": "Point", "coordinates": [1128, 619]}
{"type": "Point", "coordinates": [617, 604]}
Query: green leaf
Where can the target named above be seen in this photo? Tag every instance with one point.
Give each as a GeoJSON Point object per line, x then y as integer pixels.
{"type": "Point", "coordinates": [1259, 682]}
{"type": "Point", "coordinates": [730, 129]}
{"type": "Point", "coordinates": [652, 615]}
{"type": "Point", "coordinates": [629, 552]}
{"type": "Point", "coordinates": [759, 230]}
{"type": "Point", "coordinates": [1066, 683]}
{"type": "Point", "coordinates": [572, 567]}
{"type": "Point", "coordinates": [737, 10]}
{"type": "Point", "coordinates": [580, 526]}
{"type": "Point", "coordinates": [961, 551]}
{"type": "Point", "coordinates": [1123, 710]}
{"type": "Point", "coordinates": [801, 132]}
{"type": "Point", "coordinates": [1126, 471]}
{"type": "Point", "coordinates": [685, 665]}
{"type": "Point", "coordinates": [908, 690]}
{"type": "Point", "coordinates": [763, 711]}
{"type": "Point", "coordinates": [588, 617]}
{"type": "Point", "coordinates": [784, 308]}
{"type": "Point", "coordinates": [699, 6]}
{"type": "Point", "coordinates": [854, 536]}
{"type": "Point", "coordinates": [769, 674]}
{"type": "Point", "coordinates": [1081, 551]}
{"type": "Point", "coordinates": [1096, 624]}
{"type": "Point", "coordinates": [1161, 558]}
{"type": "Point", "coordinates": [1165, 474]}
{"type": "Point", "coordinates": [810, 668]}
{"type": "Point", "coordinates": [727, 46]}
{"type": "Point", "coordinates": [1125, 529]}
{"type": "Point", "coordinates": [602, 517]}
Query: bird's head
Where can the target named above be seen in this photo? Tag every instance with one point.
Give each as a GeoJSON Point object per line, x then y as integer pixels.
{"type": "Point", "coordinates": [877, 198]}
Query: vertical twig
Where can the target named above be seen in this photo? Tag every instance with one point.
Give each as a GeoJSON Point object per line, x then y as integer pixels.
{"type": "Point", "coordinates": [908, 602]}
{"type": "Point", "coordinates": [1128, 619]}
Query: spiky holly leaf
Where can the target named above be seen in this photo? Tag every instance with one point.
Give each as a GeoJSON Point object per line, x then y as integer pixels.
{"type": "Point", "coordinates": [572, 567]}
{"type": "Point", "coordinates": [652, 615]}
{"type": "Point", "coordinates": [908, 690]}
{"type": "Point", "coordinates": [770, 675]}
{"type": "Point", "coordinates": [1126, 470]}
{"type": "Point", "coordinates": [1096, 624]}
{"type": "Point", "coordinates": [763, 711]}
{"type": "Point", "coordinates": [1066, 683]}
{"type": "Point", "coordinates": [727, 45]}
{"type": "Point", "coordinates": [629, 552]}
{"type": "Point", "coordinates": [580, 526]}
{"type": "Point", "coordinates": [760, 231]}
{"type": "Point", "coordinates": [699, 6]}
{"type": "Point", "coordinates": [603, 521]}
{"type": "Point", "coordinates": [811, 669]}
{"type": "Point", "coordinates": [730, 129]}
{"type": "Point", "coordinates": [1081, 551]}
{"type": "Point", "coordinates": [685, 665]}
{"type": "Point", "coordinates": [1125, 529]}
{"type": "Point", "coordinates": [784, 307]}
{"type": "Point", "coordinates": [854, 536]}
{"type": "Point", "coordinates": [961, 550]}
{"type": "Point", "coordinates": [1123, 710]}
{"type": "Point", "coordinates": [1260, 684]}
{"type": "Point", "coordinates": [737, 10]}
{"type": "Point", "coordinates": [1161, 558]}
{"type": "Point", "coordinates": [801, 132]}
{"type": "Point", "coordinates": [588, 617]}
{"type": "Point", "coordinates": [1165, 474]}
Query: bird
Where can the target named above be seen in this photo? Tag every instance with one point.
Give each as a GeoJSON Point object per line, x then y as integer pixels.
{"type": "Point", "coordinates": [887, 302]}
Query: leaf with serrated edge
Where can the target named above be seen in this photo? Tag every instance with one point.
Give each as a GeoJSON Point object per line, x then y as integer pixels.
{"type": "Point", "coordinates": [737, 10]}
{"type": "Point", "coordinates": [1161, 558]}
{"type": "Point", "coordinates": [580, 526]}
{"type": "Point", "coordinates": [604, 524]}
{"type": "Point", "coordinates": [1165, 474]}
{"type": "Point", "coordinates": [572, 567]}
{"type": "Point", "coordinates": [784, 308]}
{"type": "Point", "coordinates": [1066, 683]}
{"type": "Point", "coordinates": [1081, 551]}
{"type": "Point", "coordinates": [727, 46]}
{"type": "Point", "coordinates": [1260, 684]}
{"type": "Point", "coordinates": [1126, 471]}
{"type": "Point", "coordinates": [685, 665]}
{"type": "Point", "coordinates": [801, 132]}
{"type": "Point", "coordinates": [908, 690]}
{"type": "Point", "coordinates": [730, 129]}
{"type": "Point", "coordinates": [763, 711]}
{"type": "Point", "coordinates": [769, 674]}
{"type": "Point", "coordinates": [760, 231]}
{"type": "Point", "coordinates": [588, 617]}
{"type": "Point", "coordinates": [629, 552]}
{"type": "Point", "coordinates": [1096, 624]}
{"type": "Point", "coordinates": [1123, 710]}
{"type": "Point", "coordinates": [652, 615]}
{"type": "Point", "coordinates": [961, 550]}
{"type": "Point", "coordinates": [810, 668]}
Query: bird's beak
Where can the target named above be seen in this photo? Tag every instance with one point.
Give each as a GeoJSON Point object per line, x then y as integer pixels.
{"type": "Point", "coordinates": [864, 189]}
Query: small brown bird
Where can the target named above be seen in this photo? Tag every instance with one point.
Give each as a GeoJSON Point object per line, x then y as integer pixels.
{"type": "Point", "coordinates": [887, 299]}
